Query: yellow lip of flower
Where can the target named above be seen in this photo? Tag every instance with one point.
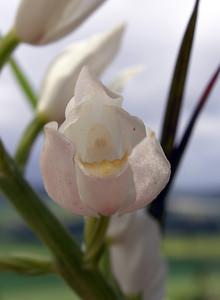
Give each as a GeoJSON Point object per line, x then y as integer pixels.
{"type": "Point", "coordinates": [106, 167]}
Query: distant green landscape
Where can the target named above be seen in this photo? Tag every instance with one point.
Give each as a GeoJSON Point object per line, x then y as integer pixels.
{"type": "Point", "coordinates": [193, 272]}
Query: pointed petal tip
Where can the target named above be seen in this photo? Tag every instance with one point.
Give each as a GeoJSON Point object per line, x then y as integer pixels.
{"type": "Point", "coordinates": [51, 125]}
{"type": "Point", "coordinates": [84, 70]}
{"type": "Point", "coordinates": [115, 34]}
{"type": "Point", "coordinates": [87, 82]}
{"type": "Point", "coordinates": [120, 28]}
{"type": "Point", "coordinates": [84, 74]}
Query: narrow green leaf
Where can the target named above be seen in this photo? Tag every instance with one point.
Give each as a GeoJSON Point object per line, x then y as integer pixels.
{"type": "Point", "coordinates": [176, 92]}
{"type": "Point", "coordinates": [23, 82]}
{"type": "Point", "coordinates": [173, 108]}
{"type": "Point", "coordinates": [181, 147]}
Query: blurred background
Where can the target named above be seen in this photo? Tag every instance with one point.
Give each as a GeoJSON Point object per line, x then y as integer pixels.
{"type": "Point", "coordinates": [153, 36]}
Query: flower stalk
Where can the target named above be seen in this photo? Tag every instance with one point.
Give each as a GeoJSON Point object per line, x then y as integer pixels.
{"type": "Point", "coordinates": [134, 297]}
{"type": "Point", "coordinates": [95, 231]}
{"type": "Point", "coordinates": [23, 82]}
{"type": "Point", "coordinates": [27, 140]}
{"type": "Point", "coordinates": [8, 44]}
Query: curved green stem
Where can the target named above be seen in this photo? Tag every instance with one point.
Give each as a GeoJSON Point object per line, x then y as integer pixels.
{"type": "Point", "coordinates": [68, 256]}
{"type": "Point", "coordinates": [8, 43]}
{"type": "Point", "coordinates": [95, 231]}
{"type": "Point", "coordinates": [27, 140]}
{"type": "Point", "coordinates": [23, 82]}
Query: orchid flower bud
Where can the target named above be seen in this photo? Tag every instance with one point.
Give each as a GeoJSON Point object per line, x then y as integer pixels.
{"type": "Point", "coordinates": [42, 22]}
{"type": "Point", "coordinates": [101, 160]}
{"type": "Point", "coordinates": [57, 89]}
{"type": "Point", "coordinates": [135, 255]}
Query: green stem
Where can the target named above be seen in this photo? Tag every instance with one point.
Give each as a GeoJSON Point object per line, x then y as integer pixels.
{"type": "Point", "coordinates": [8, 43]}
{"type": "Point", "coordinates": [89, 226]}
{"type": "Point", "coordinates": [27, 140]}
{"type": "Point", "coordinates": [134, 297]}
{"type": "Point", "coordinates": [23, 82]}
{"type": "Point", "coordinates": [68, 256]}
{"type": "Point", "coordinates": [95, 231]}
{"type": "Point", "coordinates": [25, 265]}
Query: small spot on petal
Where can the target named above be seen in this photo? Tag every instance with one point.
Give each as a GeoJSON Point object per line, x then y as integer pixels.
{"type": "Point", "coordinates": [100, 143]}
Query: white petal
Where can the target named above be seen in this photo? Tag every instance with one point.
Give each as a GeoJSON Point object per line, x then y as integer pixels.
{"type": "Point", "coordinates": [151, 170]}
{"type": "Point", "coordinates": [103, 132]}
{"type": "Point", "coordinates": [105, 195]}
{"type": "Point", "coordinates": [88, 87]}
{"type": "Point", "coordinates": [135, 256]}
{"type": "Point", "coordinates": [132, 128]}
{"type": "Point", "coordinates": [99, 128]}
{"type": "Point", "coordinates": [58, 85]}
{"type": "Point", "coordinates": [42, 22]}
{"type": "Point", "coordinates": [96, 133]}
{"type": "Point", "coordinates": [58, 171]}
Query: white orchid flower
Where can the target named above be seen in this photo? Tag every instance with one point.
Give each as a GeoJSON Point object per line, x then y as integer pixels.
{"type": "Point", "coordinates": [135, 255]}
{"type": "Point", "coordinates": [43, 22]}
{"type": "Point", "coordinates": [101, 160]}
{"type": "Point", "coordinates": [97, 52]}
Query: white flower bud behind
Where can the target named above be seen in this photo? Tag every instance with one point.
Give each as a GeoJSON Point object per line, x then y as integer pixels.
{"type": "Point", "coordinates": [45, 21]}
{"type": "Point", "coordinates": [97, 52]}
{"type": "Point", "coordinates": [135, 255]}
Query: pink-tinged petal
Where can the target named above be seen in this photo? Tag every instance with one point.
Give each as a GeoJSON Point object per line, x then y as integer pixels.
{"type": "Point", "coordinates": [106, 195]}
{"type": "Point", "coordinates": [151, 171]}
{"type": "Point", "coordinates": [58, 171]}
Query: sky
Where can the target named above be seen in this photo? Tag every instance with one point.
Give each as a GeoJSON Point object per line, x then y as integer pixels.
{"type": "Point", "coordinates": [153, 35]}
